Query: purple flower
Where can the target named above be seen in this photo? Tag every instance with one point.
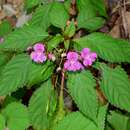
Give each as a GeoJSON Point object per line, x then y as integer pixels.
{"type": "Point", "coordinates": [88, 56]}
{"type": "Point", "coordinates": [39, 47]}
{"type": "Point", "coordinates": [72, 56]}
{"type": "Point", "coordinates": [72, 63]}
{"type": "Point", "coordinates": [38, 56]}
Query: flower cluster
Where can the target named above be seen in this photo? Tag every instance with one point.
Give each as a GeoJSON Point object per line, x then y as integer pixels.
{"type": "Point", "coordinates": [38, 54]}
{"type": "Point", "coordinates": [73, 62]}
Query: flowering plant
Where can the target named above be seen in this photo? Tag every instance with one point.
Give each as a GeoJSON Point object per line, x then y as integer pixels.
{"type": "Point", "coordinates": [57, 72]}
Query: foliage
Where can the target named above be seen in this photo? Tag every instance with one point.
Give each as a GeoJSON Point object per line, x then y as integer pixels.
{"type": "Point", "coordinates": [46, 61]}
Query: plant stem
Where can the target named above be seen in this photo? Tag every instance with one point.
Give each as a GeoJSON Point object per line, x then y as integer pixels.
{"type": "Point", "coordinates": [61, 96]}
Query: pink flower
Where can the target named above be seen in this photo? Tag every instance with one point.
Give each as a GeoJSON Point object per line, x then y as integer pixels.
{"type": "Point", "coordinates": [72, 63]}
{"type": "Point", "coordinates": [72, 56]}
{"type": "Point", "coordinates": [38, 56]}
{"type": "Point", "coordinates": [88, 57]}
{"type": "Point", "coordinates": [39, 47]}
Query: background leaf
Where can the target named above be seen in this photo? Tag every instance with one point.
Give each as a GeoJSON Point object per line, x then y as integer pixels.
{"type": "Point", "coordinates": [16, 116]}
{"type": "Point", "coordinates": [116, 86]}
{"type": "Point", "coordinates": [23, 37]}
{"type": "Point", "coordinates": [81, 87]}
{"type": "Point", "coordinates": [106, 47]}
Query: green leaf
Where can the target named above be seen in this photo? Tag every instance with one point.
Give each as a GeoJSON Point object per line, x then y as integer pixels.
{"type": "Point", "coordinates": [54, 42]}
{"type": "Point", "coordinates": [66, 44]}
{"type": "Point", "coordinates": [14, 74]}
{"type": "Point", "coordinates": [41, 16]}
{"type": "Point", "coordinates": [16, 116]}
{"type": "Point", "coordinates": [67, 4]}
{"type": "Point", "coordinates": [39, 73]}
{"type": "Point", "coordinates": [101, 118]}
{"type": "Point", "coordinates": [92, 8]}
{"type": "Point", "coordinates": [76, 121]}
{"type": "Point", "coordinates": [2, 122]}
{"type": "Point", "coordinates": [100, 7]}
{"type": "Point", "coordinates": [23, 37]}
{"type": "Point", "coordinates": [31, 3]}
{"type": "Point", "coordinates": [5, 28]}
{"type": "Point", "coordinates": [70, 30]}
{"type": "Point", "coordinates": [81, 87]}
{"type": "Point", "coordinates": [106, 47]}
{"type": "Point", "coordinates": [59, 15]}
{"type": "Point", "coordinates": [38, 106]}
{"type": "Point", "coordinates": [91, 24]}
{"type": "Point", "coordinates": [88, 10]}
{"type": "Point", "coordinates": [4, 58]}
{"type": "Point", "coordinates": [119, 121]}
{"type": "Point", "coordinates": [116, 86]}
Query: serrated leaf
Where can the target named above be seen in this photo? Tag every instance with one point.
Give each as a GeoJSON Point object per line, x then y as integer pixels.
{"type": "Point", "coordinates": [116, 86]}
{"type": "Point", "coordinates": [2, 122]}
{"type": "Point", "coordinates": [58, 15]}
{"type": "Point", "coordinates": [101, 118]}
{"type": "Point", "coordinates": [119, 121]}
{"type": "Point", "coordinates": [38, 106]}
{"type": "Point", "coordinates": [39, 73]}
{"type": "Point", "coordinates": [54, 42]}
{"type": "Point", "coordinates": [23, 37]}
{"type": "Point", "coordinates": [76, 121]}
{"type": "Point", "coordinates": [31, 3]}
{"type": "Point", "coordinates": [106, 47]}
{"type": "Point", "coordinates": [91, 24]}
{"type": "Point", "coordinates": [41, 16]}
{"type": "Point", "coordinates": [14, 74]}
{"type": "Point", "coordinates": [16, 116]}
{"type": "Point", "coordinates": [81, 87]}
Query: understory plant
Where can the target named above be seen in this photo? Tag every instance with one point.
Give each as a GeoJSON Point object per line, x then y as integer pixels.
{"type": "Point", "coordinates": [58, 72]}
